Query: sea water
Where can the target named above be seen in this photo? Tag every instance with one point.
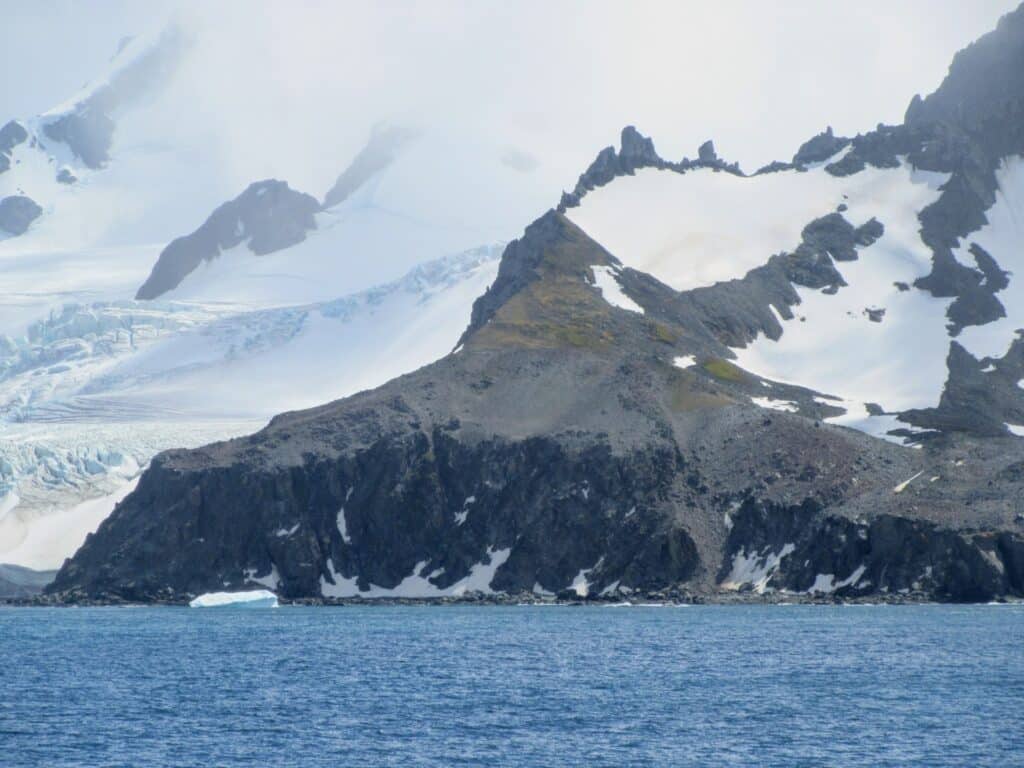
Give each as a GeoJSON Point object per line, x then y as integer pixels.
{"type": "Point", "coordinates": [513, 686]}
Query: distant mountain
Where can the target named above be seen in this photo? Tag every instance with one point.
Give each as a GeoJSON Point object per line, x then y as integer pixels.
{"type": "Point", "coordinates": [653, 397]}
{"type": "Point", "coordinates": [277, 301]}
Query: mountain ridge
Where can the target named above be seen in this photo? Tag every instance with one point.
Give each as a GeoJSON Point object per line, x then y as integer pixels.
{"type": "Point", "coordinates": [604, 430]}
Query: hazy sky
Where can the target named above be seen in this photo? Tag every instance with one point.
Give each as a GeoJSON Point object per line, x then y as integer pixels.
{"type": "Point", "coordinates": [292, 88]}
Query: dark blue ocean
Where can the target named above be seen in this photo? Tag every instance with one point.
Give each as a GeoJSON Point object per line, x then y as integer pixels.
{"type": "Point", "coordinates": [516, 686]}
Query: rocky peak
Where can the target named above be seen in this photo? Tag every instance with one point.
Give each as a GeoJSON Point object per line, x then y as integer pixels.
{"type": "Point", "coordinates": [269, 215]}
{"type": "Point", "coordinates": [637, 150]}
{"type": "Point", "coordinates": [985, 80]}
{"type": "Point", "coordinates": [819, 148]}
{"type": "Point", "coordinates": [88, 127]}
{"type": "Point", "coordinates": [543, 248]}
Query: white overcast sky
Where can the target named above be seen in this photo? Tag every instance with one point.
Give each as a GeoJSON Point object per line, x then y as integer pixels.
{"type": "Point", "coordinates": [299, 82]}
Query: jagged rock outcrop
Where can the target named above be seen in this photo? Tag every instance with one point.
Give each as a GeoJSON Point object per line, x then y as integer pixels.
{"type": "Point", "coordinates": [819, 148]}
{"type": "Point", "coordinates": [17, 213]}
{"type": "Point", "coordinates": [637, 151]}
{"type": "Point", "coordinates": [267, 217]}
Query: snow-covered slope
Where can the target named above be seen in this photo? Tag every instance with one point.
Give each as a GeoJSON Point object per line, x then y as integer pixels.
{"type": "Point", "coordinates": [875, 335]}
{"type": "Point", "coordinates": [94, 383]}
{"type": "Point", "coordinates": [1003, 234]}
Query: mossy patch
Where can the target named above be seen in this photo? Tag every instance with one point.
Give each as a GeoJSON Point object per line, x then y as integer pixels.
{"type": "Point", "coordinates": [661, 332]}
{"type": "Point", "coordinates": [684, 397]}
{"type": "Point", "coordinates": [724, 370]}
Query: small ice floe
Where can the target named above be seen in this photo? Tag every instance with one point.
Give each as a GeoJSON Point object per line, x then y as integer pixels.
{"type": "Point", "coordinates": [686, 361]}
{"type": "Point", "coordinates": [988, 369]}
{"type": "Point", "coordinates": [607, 282]}
{"type": "Point", "coordinates": [788, 406]}
{"type": "Point", "coordinates": [1015, 429]}
{"type": "Point", "coordinates": [283, 533]}
{"type": "Point", "coordinates": [257, 598]}
{"type": "Point", "coordinates": [903, 486]}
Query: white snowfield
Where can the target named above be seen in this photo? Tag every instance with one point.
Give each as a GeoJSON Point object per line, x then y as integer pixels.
{"type": "Point", "coordinates": [257, 598]}
{"type": "Point", "coordinates": [702, 227]}
{"type": "Point", "coordinates": [1003, 238]}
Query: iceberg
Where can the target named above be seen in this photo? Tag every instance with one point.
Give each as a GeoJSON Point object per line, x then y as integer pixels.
{"type": "Point", "coordinates": [257, 598]}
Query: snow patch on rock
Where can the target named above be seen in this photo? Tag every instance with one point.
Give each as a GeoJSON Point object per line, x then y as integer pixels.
{"type": "Point", "coordinates": [755, 569]}
{"type": "Point", "coordinates": [415, 585]}
{"type": "Point", "coordinates": [607, 282]}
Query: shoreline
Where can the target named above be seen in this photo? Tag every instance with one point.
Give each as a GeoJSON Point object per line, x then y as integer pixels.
{"type": "Point", "coordinates": [780, 599]}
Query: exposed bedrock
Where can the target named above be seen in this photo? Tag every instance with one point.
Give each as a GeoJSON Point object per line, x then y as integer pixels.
{"type": "Point", "coordinates": [421, 503]}
{"type": "Point", "coordinates": [803, 549]}
{"type": "Point", "coordinates": [17, 213]}
{"type": "Point", "coordinates": [267, 217]}
{"type": "Point", "coordinates": [11, 135]}
{"type": "Point", "coordinates": [819, 148]}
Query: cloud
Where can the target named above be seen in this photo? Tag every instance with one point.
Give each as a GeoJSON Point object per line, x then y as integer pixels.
{"type": "Point", "coordinates": [293, 89]}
